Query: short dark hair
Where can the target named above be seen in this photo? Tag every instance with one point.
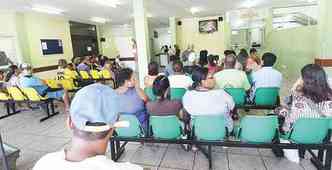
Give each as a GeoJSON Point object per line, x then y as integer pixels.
{"type": "Point", "coordinates": [203, 57]}
{"type": "Point", "coordinates": [229, 52]}
{"type": "Point", "coordinates": [178, 66]}
{"type": "Point", "coordinates": [253, 50]}
{"type": "Point", "coordinates": [269, 59]}
{"type": "Point", "coordinates": [123, 75]}
{"type": "Point", "coordinates": [153, 69]}
{"type": "Point", "coordinates": [212, 59]}
{"type": "Point", "coordinates": [198, 75]}
{"type": "Point", "coordinates": [160, 86]}
{"type": "Point", "coordinates": [90, 136]}
{"type": "Point", "coordinates": [230, 61]}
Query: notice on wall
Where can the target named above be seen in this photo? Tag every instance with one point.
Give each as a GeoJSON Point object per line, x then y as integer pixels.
{"type": "Point", "coordinates": [44, 45]}
{"type": "Point", "coordinates": [89, 48]}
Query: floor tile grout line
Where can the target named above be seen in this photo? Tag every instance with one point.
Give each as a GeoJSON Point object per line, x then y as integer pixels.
{"type": "Point", "coordinates": [162, 158]}
{"type": "Point", "coordinates": [228, 162]}
{"type": "Point", "coordinates": [260, 155]}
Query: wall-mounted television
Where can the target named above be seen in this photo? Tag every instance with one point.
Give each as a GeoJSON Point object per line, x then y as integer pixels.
{"type": "Point", "coordinates": [51, 46]}
{"type": "Point", "coordinates": [208, 26]}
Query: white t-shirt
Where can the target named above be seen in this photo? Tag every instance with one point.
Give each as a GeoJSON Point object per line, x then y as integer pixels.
{"type": "Point", "coordinates": [56, 161]}
{"type": "Point", "coordinates": [180, 81]}
{"type": "Point", "coordinates": [212, 102]}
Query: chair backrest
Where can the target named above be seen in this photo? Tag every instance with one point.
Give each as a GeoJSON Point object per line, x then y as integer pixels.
{"type": "Point", "coordinates": [149, 92]}
{"type": "Point", "coordinates": [4, 96]}
{"type": "Point", "coordinates": [310, 130]}
{"type": "Point", "coordinates": [70, 74]}
{"type": "Point", "coordinates": [52, 83]}
{"type": "Point", "coordinates": [67, 84]}
{"type": "Point", "coordinates": [209, 127]}
{"type": "Point", "coordinates": [32, 94]}
{"type": "Point", "coordinates": [165, 127]}
{"type": "Point", "coordinates": [16, 94]}
{"type": "Point", "coordinates": [267, 96]}
{"type": "Point", "coordinates": [258, 129]}
{"type": "Point", "coordinates": [105, 74]}
{"type": "Point", "coordinates": [5, 163]}
{"type": "Point", "coordinates": [238, 94]}
{"type": "Point", "coordinates": [84, 75]}
{"type": "Point", "coordinates": [177, 93]}
{"type": "Point", "coordinates": [134, 130]}
{"type": "Point", "coordinates": [95, 74]}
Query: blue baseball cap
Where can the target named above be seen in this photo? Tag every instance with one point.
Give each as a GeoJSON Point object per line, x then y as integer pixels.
{"type": "Point", "coordinates": [95, 108]}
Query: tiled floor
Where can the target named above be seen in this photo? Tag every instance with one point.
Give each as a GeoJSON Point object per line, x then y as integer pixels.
{"type": "Point", "coordinates": [35, 139]}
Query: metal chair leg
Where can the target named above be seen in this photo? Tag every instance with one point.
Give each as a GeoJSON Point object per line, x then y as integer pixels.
{"type": "Point", "coordinates": [328, 159]}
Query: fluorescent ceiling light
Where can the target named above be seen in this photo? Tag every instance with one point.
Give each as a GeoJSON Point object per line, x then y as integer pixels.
{"type": "Point", "coordinates": [249, 3]}
{"type": "Point", "coordinates": [47, 9]}
{"type": "Point", "coordinates": [99, 20]}
{"type": "Point", "coordinates": [194, 10]}
{"type": "Point", "coordinates": [149, 15]}
{"type": "Point", "coordinates": [111, 3]}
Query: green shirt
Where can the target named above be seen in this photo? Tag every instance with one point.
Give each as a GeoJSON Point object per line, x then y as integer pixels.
{"type": "Point", "coordinates": [232, 78]}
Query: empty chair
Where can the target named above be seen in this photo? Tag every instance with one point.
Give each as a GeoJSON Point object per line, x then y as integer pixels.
{"type": "Point", "coordinates": [268, 96]}
{"type": "Point", "coordinates": [16, 94]}
{"type": "Point", "coordinates": [95, 74]}
{"type": "Point", "coordinates": [258, 129]}
{"type": "Point", "coordinates": [149, 92]}
{"type": "Point", "coordinates": [105, 74]}
{"type": "Point", "coordinates": [209, 127]}
{"type": "Point", "coordinates": [165, 127]}
{"type": "Point", "coordinates": [134, 130]}
{"type": "Point", "coordinates": [33, 95]}
{"type": "Point", "coordinates": [52, 83]}
{"type": "Point", "coordinates": [177, 93]}
{"type": "Point", "coordinates": [85, 75]}
{"type": "Point", "coordinates": [70, 74]}
{"type": "Point", "coordinates": [69, 85]}
{"type": "Point", "coordinates": [238, 94]}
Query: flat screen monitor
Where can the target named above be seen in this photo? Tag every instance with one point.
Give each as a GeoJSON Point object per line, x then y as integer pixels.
{"type": "Point", "coordinates": [208, 26]}
{"type": "Point", "coordinates": [51, 46]}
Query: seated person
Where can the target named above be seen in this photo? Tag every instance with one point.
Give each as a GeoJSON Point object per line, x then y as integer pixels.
{"type": "Point", "coordinates": [131, 97]}
{"type": "Point", "coordinates": [93, 116]}
{"type": "Point", "coordinates": [311, 99]}
{"type": "Point", "coordinates": [29, 80]}
{"type": "Point", "coordinates": [62, 64]}
{"type": "Point", "coordinates": [69, 72]}
{"type": "Point", "coordinates": [179, 79]}
{"type": "Point", "coordinates": [231, 77]}
{"type": "Point", "coordinates": [212, 66]}
{"type": "Point", "coordinates": [163, 106]}
{"type": "Point", "coordinates": [13, 77]}
{"type": "Point", "coordinates": [84, 64]}
{"type": "Point", "coordinates": [169, 68]}
{"type": "Point", "coordinates": [153, 72]}
{"type": "Point", "coordinates": [201, 99]}
{"type": "Point", "coordinates": [108, 67]}
{"type": "Point", "coordinates": [253, 62]}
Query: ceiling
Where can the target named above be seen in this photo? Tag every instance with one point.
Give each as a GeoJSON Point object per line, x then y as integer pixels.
{"type": "Point", "coordinates": [160, 10]}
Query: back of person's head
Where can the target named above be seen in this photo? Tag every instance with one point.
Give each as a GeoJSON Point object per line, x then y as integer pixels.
{"type": "Point", "coordinates": [160, 87]}
{"type": "Point", "coordinates": [173, 58]}
{"type": "Point", "coordinates": [203, 58]}
{"type": "Point", "coordinates": [253, 51]}
{"type": "Point", "coordinates": [153, 68]}
{"type": "Point", "coordinates": [123, 75]}
{"type": "Point", "coordinates": [229, 52]}
{"type": "Point", "coordinates": [70, 66]}
{"type": "Point", "coordinates": [199, 74]}
{"type": "Point", "coordinates": [26, 69]}
{"type": "Point", "coordinates": [2, 75]}
{"type": "Point", "coordinates": [212, 60]}
{"type": "Point", "coordinates": [230, 61]}
{"type": "Point", "coordinates": [243, 53]}
{"type": "Point", "coordinates": [62, 63]}
{"type": "Point", "coordinates": [269, 59]}
{"type": "Point", "coordinates": [13, 69]}
{"type": "Point", "coordinates": [315, 83]}
{"type": "Point", "coordinates": [178, 67]}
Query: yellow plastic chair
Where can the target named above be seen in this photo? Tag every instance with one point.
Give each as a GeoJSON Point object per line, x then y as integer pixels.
{"type": "Point", "coordinates": [33, 95]}
{"type": "Point", "coordinates": [69, 74]}
{"type": "Point", "coordinates": [95, 74]}
{"type": "Point", "coordinates": [52, 83]}
{"type": "Point", "coordinates": [16, 94]}
{"type": "Point", "coordinates": [4, 96]}
{"type": "Point", "coordinates": [68, 84]}
{"type": "Point", "coordinates": [85, 75]}
{"type": "Point", "coordinates": [106, 74]}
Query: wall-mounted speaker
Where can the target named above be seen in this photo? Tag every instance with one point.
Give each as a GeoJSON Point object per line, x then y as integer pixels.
{"type": "Point", "coordinates": [102, 39]}
{"type": "Point", "coordinates": [220, 19]}
{"type": "Point", "coordinates": [179, 23]}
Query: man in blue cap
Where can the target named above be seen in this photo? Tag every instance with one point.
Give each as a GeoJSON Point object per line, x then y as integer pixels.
{"type": "Point", "coordinates": [93, 117]}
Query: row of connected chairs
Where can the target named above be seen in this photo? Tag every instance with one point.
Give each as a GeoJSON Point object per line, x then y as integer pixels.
{"type": "Point", "coordinates": [27, 95]}
{"type": "Point", "coordinates": [253, 132]}
{"type": "Point", "coordinates": [82, 78]}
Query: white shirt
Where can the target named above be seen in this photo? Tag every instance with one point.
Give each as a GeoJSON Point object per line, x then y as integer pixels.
{"type": "Point", "coordinates": [56, 161]}
{"type": "Point", "coordinates": [266, 77]}
{"type": "Point", "coordinates": [180, 81]}
{"type": "Point", "coordinates": [213, 102]}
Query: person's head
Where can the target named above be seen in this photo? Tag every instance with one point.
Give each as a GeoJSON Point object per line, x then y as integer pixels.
{"type": "Point", "coordinates": [212, 60]}
{"type": "Point", "coordinates": [243, 53]}
{"type": "Point", "coordinates": [203, 54]}
{"type": "Point", "coordinates": [160, 87]}
{"type": "Point", "coordinates": [62, 63]}
{"type": "Point", "coordinates": [86, 59]}
{"type": "Point", "coordinates": [126, 78]}
{"type": "Point", "coordinates": [14, 69]}
{"type": "Point", "coordinates": [153, 69]}
{"type": "Point", "coordinates": [229, 52]}
{"type": "Point", "coordinates": [178, 67]}
{"type": "Point", "coordinates": [93, 117]}
{"type": "Point", "coordinates": [269, 59]}
{"type": "Point", "coordinates": [2, 75]}
{"type": "Point", "coordinates": [26, 69]}
{"type": "Point", "coordinates": [70, 66]}
{"type": "Point", "coordinates": [200, 78]}
{"type": "Point", "coordinates": [173, 58]}
{"type": "Point", "coordinates": [230, 61]}
{"type": "Point", "coordinates": [315, 83]}
{"type": "Point", "coordinates": [253, 51]}
{"type": "Point", "coordinates": [108, 64]}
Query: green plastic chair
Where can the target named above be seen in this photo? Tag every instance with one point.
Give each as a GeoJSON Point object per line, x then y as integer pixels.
{"type": "Point", "coordinates": [165, 127]}
{"type": "Point", "coordinates": [211, 128]}
{"type": "Point", "coordinates": [238, 94]}
{"type": "Point", "coordinates": [177, 93]}
{"type": "Point", "coordinates": [134, 130]}
{"type": "Point", "coordinates": [149, 92]}
{"type": "Point", "coordinates": [267, 96]}
{"type": "Point", "coordinates": [258, 129]}
{"type": "Point", "coordinates": [310, 130]}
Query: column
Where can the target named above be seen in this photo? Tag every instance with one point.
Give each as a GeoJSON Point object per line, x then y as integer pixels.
{"type": "Point", "coordinates": [142, 39]}
{"type": "Point", "coordinates": [172, 28]}
{"type": "Point", "coordinates": [325, 29]}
